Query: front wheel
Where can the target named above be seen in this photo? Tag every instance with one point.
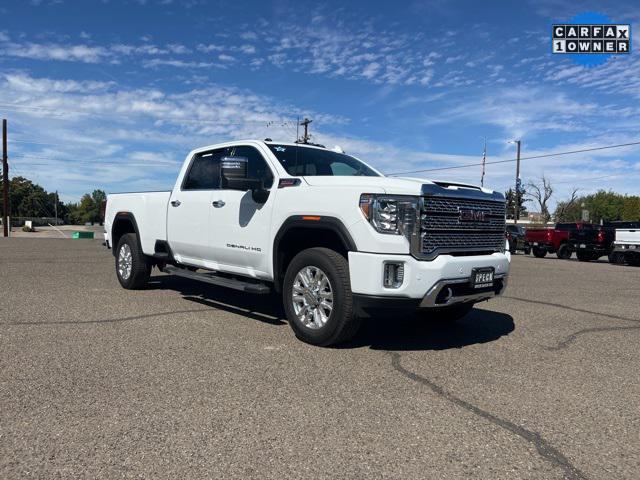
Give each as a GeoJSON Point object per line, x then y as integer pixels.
{"type": "Point", "coordinates": [317, 297]}
{"type": "Point", "coordinates": [539, 252]}
{"type": "Point", "coordinates": [132, 266]}
{"type": "Point", "coordinates": [564, 252]}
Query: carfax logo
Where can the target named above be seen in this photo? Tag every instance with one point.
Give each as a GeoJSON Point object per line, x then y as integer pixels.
{"type": "Point", "coordinates": [591, 38]}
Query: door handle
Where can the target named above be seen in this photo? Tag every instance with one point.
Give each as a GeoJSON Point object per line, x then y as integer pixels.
{"type": "Point", "coordinates": [218, 203]}
{"type": "Point", "coordinates": [175, 203]}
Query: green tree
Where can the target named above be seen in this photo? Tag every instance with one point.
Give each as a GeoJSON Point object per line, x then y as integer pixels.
{"type": "Point", "coordinates": [631, 208]}
{"type": "Point", "coordinates": [28, 199]}
{"type": "Point", "coordinates": [88, 209]}
{"type": "Point", "coordinates": [602, 206]}
{"type": "Point", "coordinates": [510, 203]}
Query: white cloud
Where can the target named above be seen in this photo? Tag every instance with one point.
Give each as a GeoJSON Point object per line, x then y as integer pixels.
{"type": "Point", "coordinates": [51, 51]}
{"type": "Point", "coordinates": [248, 49]}
{"type": "Point", "coordinates": [371, 70]}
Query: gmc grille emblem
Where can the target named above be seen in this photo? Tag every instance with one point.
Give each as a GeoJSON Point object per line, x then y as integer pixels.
{"type": "Point", "coordinates": [472, 215]}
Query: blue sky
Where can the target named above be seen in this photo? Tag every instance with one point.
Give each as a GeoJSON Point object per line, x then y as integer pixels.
{"type": "Point", "coordinates": [113, 94]}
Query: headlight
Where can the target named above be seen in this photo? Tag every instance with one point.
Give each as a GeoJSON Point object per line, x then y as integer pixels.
{"type": "Point", "coordinates": [393, 214]}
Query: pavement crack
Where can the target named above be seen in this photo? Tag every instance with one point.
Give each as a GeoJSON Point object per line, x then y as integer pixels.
{"type": "Point", "coordinates": [569, 339]}
{"type": "Point", "coordinates": [547, 451]}
{"type": "Point", "coordinates": [572, 337]}
{"type": "Point", "coordinates": [111, 320]}
{"type": "Point", "coordinates": [579, 310]}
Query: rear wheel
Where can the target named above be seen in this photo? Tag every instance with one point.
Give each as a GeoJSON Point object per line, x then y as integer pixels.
{"type": "Point", "coordinates": [585, 256]}
{"type": "Point", "coordinates": [132, 266]}
{"type": "Point", "coordinates": [539, 252]}
{"type": "Point", "coordinates": [616, 258]}
{"type": "Point", "coordinates": [317, 297]}
{"type": "Point", "coordinates": [564, 252]}
{"type": "Point", "coordinates": [527, 250]}
{"type": "Point", "coordinates": [633, 260]}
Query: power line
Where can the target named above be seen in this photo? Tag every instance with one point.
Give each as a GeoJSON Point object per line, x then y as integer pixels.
{"type": "Point", "coordinates": [557, 154]}
{"type": "Point", "coordinates": [60, 114]}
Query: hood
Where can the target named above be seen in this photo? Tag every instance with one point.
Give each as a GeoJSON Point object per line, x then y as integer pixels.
{"type": "Point", "coordinates": [398, 186]}
{"type": "Point", "coordinates": [390, 185]}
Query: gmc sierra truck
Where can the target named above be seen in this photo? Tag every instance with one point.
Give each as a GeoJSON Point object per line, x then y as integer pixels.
{"type": "Point", "coordinates": [626, 247]}
{"type": "Point", "coordinates": [336, 238]}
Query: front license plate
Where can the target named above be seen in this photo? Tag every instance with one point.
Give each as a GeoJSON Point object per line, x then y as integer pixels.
{"type": "Point", "coordinates": [482, 277]}
{"type": "Point", "coordinates": [535, 244]}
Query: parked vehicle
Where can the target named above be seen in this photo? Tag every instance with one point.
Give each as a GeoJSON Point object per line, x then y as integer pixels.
{"type": "Point", "coordinates": [334, 236]}
{"type": "Point", "coordinates": [516, 238]}
{"type": "Point", "coordinates": [594, 241]}
{"type": "Point", "coordinates": [626, 247]}
{"type": "Point", "coordinates": [551, 240]}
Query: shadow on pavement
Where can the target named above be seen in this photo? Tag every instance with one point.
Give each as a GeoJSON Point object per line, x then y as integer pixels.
{"type": "Point", "coordinates": [384, 333]}
{"type": "Point", "coordinates": [420, 333]}
{"type": "Point", "coordinates": [264, 308]}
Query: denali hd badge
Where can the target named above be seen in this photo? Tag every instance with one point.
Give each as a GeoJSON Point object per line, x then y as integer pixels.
{"type": "Point", "coordinates": [471, 215]}
{"type": "Point", "coordinates": [590, 38]}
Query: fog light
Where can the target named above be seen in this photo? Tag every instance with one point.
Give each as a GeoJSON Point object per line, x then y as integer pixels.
{"type": "Point", "coordinates": [393, 274]}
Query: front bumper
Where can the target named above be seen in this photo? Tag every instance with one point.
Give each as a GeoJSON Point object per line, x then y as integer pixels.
{"type": "Point", "coordinates": [441, 282]}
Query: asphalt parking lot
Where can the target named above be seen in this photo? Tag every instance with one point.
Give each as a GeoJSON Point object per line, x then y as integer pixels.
{"type": "Point", "coordinates": [184, 380]}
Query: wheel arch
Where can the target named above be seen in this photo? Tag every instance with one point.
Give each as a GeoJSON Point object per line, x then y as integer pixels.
{"type": "Point", "coordinates": [123, 223]}
{"type": "Point", "coordinates": [300, 232]}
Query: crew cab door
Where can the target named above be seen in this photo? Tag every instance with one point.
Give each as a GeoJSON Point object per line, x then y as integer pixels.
{"type": "Point", "coordinates": [190, 210]}
{"type": "Point", "coordinates": [240, 226]}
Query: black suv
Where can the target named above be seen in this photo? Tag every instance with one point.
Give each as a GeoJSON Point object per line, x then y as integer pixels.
{"type": "Point", "coordinates": [515, 236]}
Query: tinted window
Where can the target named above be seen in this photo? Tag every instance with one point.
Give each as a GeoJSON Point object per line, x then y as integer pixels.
{"type": "Point", "coordinates": [257, 166]}
{"type": "Point", "coordinates": [305, 161]}
{"type": "Point", "coordinates": [204, 173]}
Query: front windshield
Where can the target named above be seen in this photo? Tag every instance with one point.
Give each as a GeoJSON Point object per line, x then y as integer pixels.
{"type": "Point", "coordinates": [304, 161]}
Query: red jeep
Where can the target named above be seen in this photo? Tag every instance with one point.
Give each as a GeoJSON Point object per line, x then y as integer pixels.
{"type": "Point", "coordinates": [552, 240]}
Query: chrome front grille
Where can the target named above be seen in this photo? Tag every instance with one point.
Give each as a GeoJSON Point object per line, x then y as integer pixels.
{"type": "Point", "coordinates": [461, 226]}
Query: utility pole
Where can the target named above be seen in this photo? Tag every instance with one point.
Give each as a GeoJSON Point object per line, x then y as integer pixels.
{"type": "Point", "coordinates": [5, 181]}
{"type": "Point", "coordinates": [56, 207]}
{"type": "Point", "coordinates": [516, 202]}
{"type": "Point", "coordinates": [484, 159]}
{"type": "Point", "coordinates": [305, 137]}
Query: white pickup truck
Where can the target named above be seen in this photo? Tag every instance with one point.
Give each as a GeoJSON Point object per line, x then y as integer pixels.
{"type": "Point", "coordinates": [626, 247]}
{"type": "Point", "coordinates": [339, 240]}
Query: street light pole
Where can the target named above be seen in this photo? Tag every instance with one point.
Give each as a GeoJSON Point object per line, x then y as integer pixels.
{"type": "Point", "coordinates": [516, 200]}
{"type": "Point", "coordinates": [5, 181]}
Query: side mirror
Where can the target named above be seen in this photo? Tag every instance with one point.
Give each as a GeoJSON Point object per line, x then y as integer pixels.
{"type": "Point", "coordinates": [233, 175]}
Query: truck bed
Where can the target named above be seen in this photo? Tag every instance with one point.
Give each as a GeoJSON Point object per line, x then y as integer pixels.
{"type": "Point", "coordinates": [628, 235]}
{"type": "Point", "coordinates": [149, 210]}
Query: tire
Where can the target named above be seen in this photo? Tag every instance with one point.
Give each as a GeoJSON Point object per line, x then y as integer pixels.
{"type": "Point", "coordinates": [527, 250]}
{"type": "Point", "coordinates": [633, 260]}
{"type": "Point", "coordinates": [539, 253]}
{"type": "Point", "coordinates": [564, 252]}
{"type": "Point", "coordinates": [584, 256]}
{"type": "Point", "coordinates": [446, 315]}
{"type": "Point", "coordinates": [320, 326]}
{"type": "Point", "coordinates": [616, 258]}
{"type": "Point", "coordinates": [136, 274]}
